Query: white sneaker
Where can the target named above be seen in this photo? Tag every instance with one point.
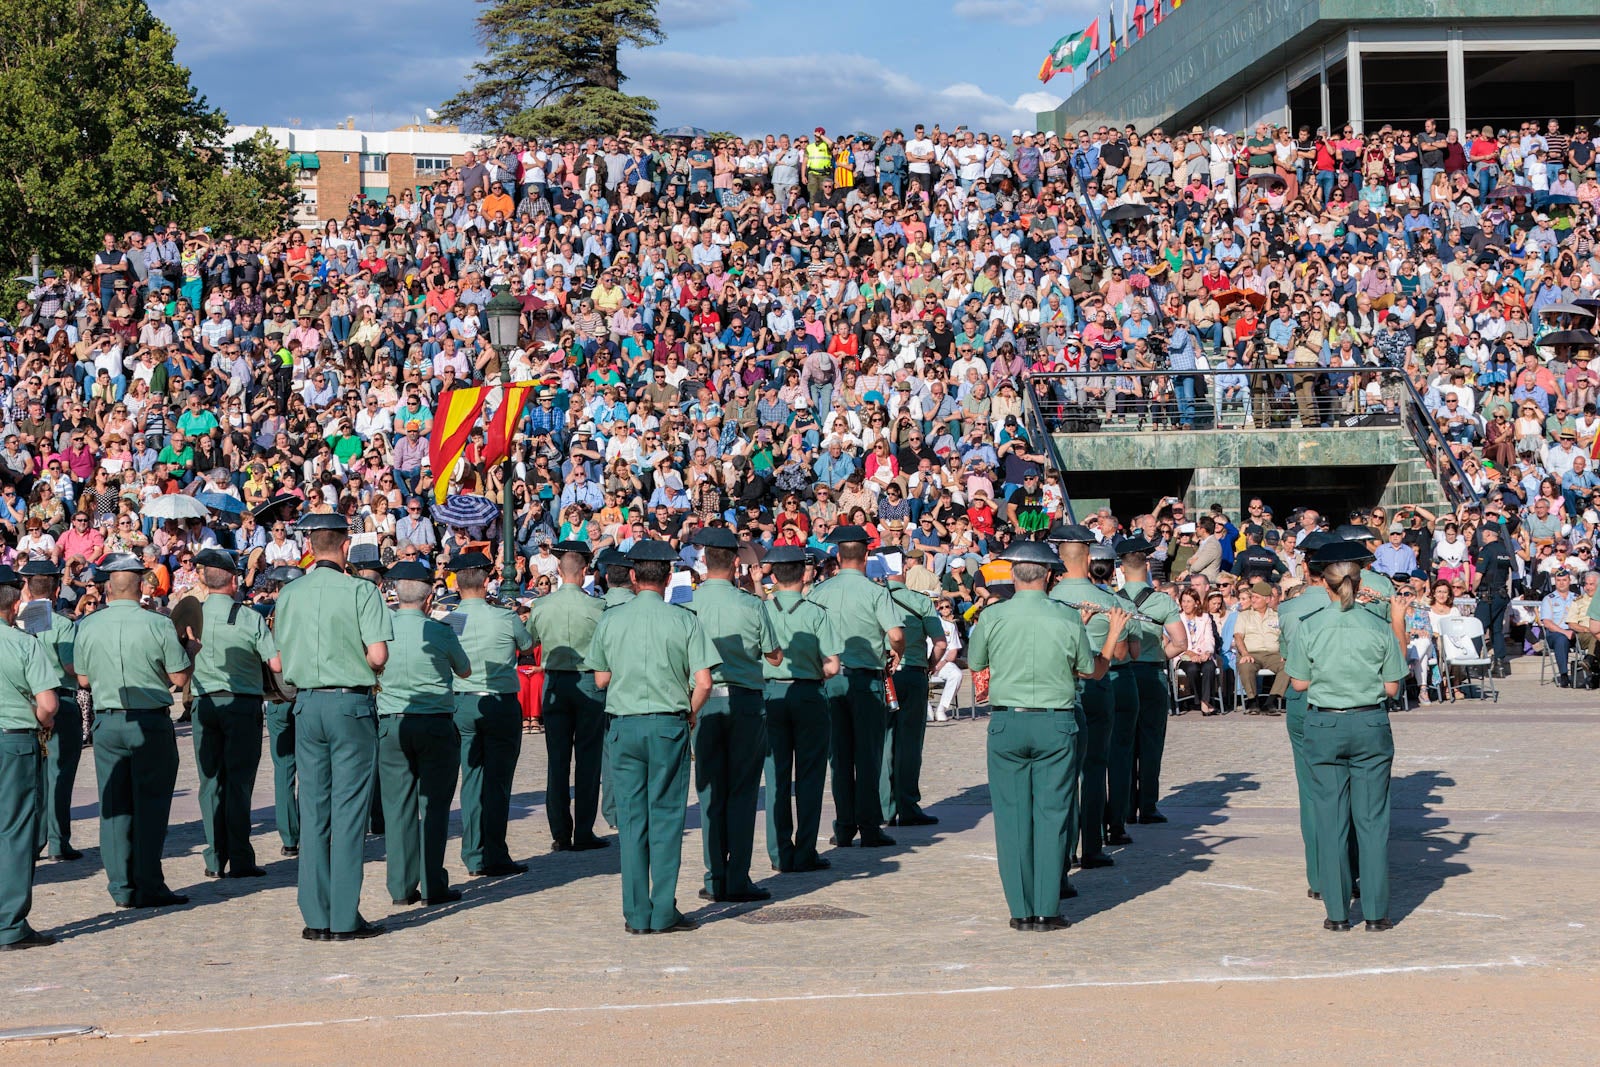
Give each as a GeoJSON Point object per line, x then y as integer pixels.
{"type": "Point", "coordinates": [941, 716]}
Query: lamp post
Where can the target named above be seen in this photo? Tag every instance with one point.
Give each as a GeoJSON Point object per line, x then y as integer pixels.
{"type": "Point", "coordinates": [504, 313]}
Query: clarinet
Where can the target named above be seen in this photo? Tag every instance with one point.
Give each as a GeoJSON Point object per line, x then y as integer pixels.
{"type": "Point", "coordinates": [1138, 616]}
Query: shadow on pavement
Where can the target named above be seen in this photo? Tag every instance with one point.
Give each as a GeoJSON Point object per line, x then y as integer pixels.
{"type": "Point", "coordinates": [1423, 851]}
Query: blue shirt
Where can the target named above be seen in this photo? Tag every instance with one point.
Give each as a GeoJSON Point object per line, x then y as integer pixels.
{"type": "Point", "coordinates": [1393, 560]}
{"type": "Point", "coordinates": [1181, 351]}
{"type": "Point", "coordinates": [1553, 608]}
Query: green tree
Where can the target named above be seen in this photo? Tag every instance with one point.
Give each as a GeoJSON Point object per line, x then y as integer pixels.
{"type": "Point", "coordinates": [552, 70]}
{"type": "Point", "coordinates": [254, 195]}
{"type": "Point", "coordinates": [98, 125]}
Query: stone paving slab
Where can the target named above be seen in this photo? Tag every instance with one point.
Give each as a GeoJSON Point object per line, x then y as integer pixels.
{"type": "Point", "coordinates": [1494, 859]}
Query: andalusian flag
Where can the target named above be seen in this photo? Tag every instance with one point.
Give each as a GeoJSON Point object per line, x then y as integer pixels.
{"type": "Point", "coordinates": [503, 423]}
{"type": "Point", "coordinates": [454, 416]}
{"type": "Point", "coordinates": [1071, 51]}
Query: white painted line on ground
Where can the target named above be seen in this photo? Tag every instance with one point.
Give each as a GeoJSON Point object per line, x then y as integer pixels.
{"type": "Point", "coordinates": [1462, 914]}
{"type": "Point", "coordinates": [1245, 888]}
{"type": "Point", "coordinates": [799, 998]}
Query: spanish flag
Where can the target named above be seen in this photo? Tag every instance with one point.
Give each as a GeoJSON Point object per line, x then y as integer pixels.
{"type": "Point", "coordinates": [454, 416]}
{"type": "Point", "coordinates": [503, 423]}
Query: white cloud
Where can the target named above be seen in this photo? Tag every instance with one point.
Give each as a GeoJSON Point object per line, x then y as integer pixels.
{"type": "Point", "coordinates": [698, 15]}
{"type": "Point", "coordinates": [1021, 12]}
{"type": "Point", "coordinates": [839, 91]}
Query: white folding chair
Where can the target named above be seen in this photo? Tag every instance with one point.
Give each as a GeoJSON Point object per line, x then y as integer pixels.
{"type": "Point", "coordinates": [1461, 646]}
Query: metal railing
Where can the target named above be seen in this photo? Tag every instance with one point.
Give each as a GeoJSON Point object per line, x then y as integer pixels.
{"type": "Point", "coordinates": [1431, 441]}
{"type": "Point", "coordinates": [1040, 428]}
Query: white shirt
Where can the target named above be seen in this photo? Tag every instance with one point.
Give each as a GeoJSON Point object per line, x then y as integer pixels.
{"type": "Point", "coordinates": [919, 146]}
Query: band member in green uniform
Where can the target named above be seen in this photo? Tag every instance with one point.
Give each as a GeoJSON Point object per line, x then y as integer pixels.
{"type": "Point", "coordinates": [28, 684]}
{"type": "Point", "coordinates": [655, 661]}
{"type": "Point", "coordinates": [1348, 663]}
{"type": "Point", "coordinates": [280, 734]}
{"type": "Point", "coordinates": [901, 784]}
{"type": "Point", "coordinates": [1036, 650]}
{"type": "Point", "coordinates": [64, 752]}
{"type": "Point", "coordinates": [1158, 643]}
{"type": "Point", "coordinates": [616, 577]}
{"type": "Point", "coordinates": [797, 715]}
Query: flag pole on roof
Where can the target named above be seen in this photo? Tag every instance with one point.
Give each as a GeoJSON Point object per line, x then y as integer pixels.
{"type": "Point", "coordinates": [1071, 51]}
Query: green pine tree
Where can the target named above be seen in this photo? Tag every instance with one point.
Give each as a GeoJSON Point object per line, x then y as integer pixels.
{"type": "Point", "coordinates": [552, 68]}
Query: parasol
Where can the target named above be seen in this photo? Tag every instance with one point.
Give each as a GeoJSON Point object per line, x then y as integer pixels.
{"type": "Point", "coordinates": [174, 506]}
{"type": "Point", "coordinates": [466, 509]}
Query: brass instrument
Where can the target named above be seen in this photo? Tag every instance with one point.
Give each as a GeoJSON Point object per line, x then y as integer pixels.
{"type": "Point", "coordinates": [1098, 609]}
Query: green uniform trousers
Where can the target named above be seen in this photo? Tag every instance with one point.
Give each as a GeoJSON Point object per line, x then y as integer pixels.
{"type": "Point", "coordinates": [608, 800]}
{"type": "Point", "coordinates": [730, 744]}
{"type": "Point", "coordinates": [574, 716]}
{"type": "Point", "coordinates": [60, 771]}
{"type": "Point", "coordinates": [1030, 779]}
{"type": "Point", "coordinates": [19, 818]}
{"type": "Point", "coordinates": [418, 759]}
{"type": "Point", "coordinates": [227, 754]}
{"type": "Point", "coordinates": [136, 760]}
{"type": "Point", "coordinates": [335, 750]}
{"type": "Point", "coordinates": [900, 788]}
{"type": "Point", "coordinates": [797, 760]}
{"type": "Point", "coordinates": [1350, 756]}
{"type": "Point", "coordinates": [1119, 753]}
{"type": "Point", "coordinates": [1098, 702]}
{"type": "Point", "coordinates": [1150, 737]}
{"type": "Point", "coordinates": [280, 744]}
{"type": "Point", "coordinates": [491, 740]}
{"type": "Point", "coordinates": [650, 779]}
{"type": "Point", "coordinates": [375, 807]}
{"type": "Point", "coordinates": [859, 719]}
{"type": "Point", "coordinates": [1295, 712]}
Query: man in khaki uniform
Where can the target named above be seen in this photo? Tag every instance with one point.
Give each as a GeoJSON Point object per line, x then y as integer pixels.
{"type": "Point", "coordinates": [1256, 636]}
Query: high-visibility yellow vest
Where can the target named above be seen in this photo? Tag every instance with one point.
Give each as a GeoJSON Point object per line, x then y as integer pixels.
{"type": "Point", "coordinates": [819, 157]}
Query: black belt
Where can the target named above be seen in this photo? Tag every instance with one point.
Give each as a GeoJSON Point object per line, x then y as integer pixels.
{"type": "Point", "coordinates": [22, 730]}
{"type": "Point", "coordinates": [864, 670]}
{"type": "Point", "coordinates": [567, 670]}
{"type": "Point", "coordinates": [363, 690]}
{"type": "Point", "coordinates": [132, 711]}
{"type": "Point", "coordinates": [1347, 711]}
{"type": "Point", "coordinates": [1025, 711]}
{"type": "Point", "coordinates": [791, 681]}
{"type": "Point", "coordinates": [654, 715]}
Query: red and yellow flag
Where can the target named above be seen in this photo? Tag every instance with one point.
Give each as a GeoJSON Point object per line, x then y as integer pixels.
{"type": "Point", "coordinates": [454, 416]}
{"type": "Point", "coordinates": [503, 423]}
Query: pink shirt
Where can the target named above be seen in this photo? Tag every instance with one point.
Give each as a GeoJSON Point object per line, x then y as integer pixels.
{"type": "Point", "coordinates": [91, 546]}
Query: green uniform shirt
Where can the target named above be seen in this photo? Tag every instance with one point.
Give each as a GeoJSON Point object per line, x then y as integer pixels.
{"type": "Point", "coordinates": [1382, 586]}
{"type": "Point", "coordinates": [58, 642]}
{"type": "Point", "coordinates": [424, 656]}
{"type": "Point", "coordinates": [1346, 656]}
{"type": "Point", "coordinates": [652, 650]}
{"type": "Point", "coordinates": [1034, 648]}
{"type": "Point", "coordinates": [230, 657]}
{"type": "Point", "coordinates": [737, 624]}
{"type": "Point", "coordinates": [1594, 608]}
{"type": "Point", "coordinates": [1084, 591]}
{"type": "Point", "coordinates": [324, 622]}
{"type": "Point", "coordinates": [492, 639]}
{"type": "Point", "coordinates": [805, 633]}
{"type": "Point", "coordinates": [1294, 613]}
{"type": "Point", "coordinates": [1158, 606]}
{"type": "Point", "coordinates": [918, 621]}
{"type": "Point", "coordinates": [25, 672]}
{"type": "Point", "coordinates": [127, 653]}
{"type": "Point", "coordinates": [616, 597]}
{"type": "Point", "coordinates": [862, 614]}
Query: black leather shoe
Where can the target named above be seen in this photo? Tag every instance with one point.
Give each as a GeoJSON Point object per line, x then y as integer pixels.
{"type": "Point", "coordinates": [846, 843]}
{"type": "Point", "coordinates": [213, 874]}
{"type": "Point", "coordinates": [247, 872]}
{"type": "Point", "coordinates": [560, 846]}
{"type": "Point", "coordinates": [500, 870]}
{"type": "Point", "coordinates": [1019, 924]}
{"type": "Point", "coordinates": [167, 900]}
{"type": "Point", "coordinates": [914, 820]}
{"type": "Point", "coordinates": [34, 940]}
{"type": "Point", "coordinates": [1118, 835]}
{"type": "Point", "coordinates": [291, 851]}
{"type": "Point", "coordinates": [66, 855]}
{"type": "Point", "coordinates": [124, 903]}
{"type": "Point", "coordinates": [449, 896]}
{"type": "Point", "coordinates": [1380, 924]}
{"type": "Point", "coordinates": [1152, 817]}
{"type": "Point", "coordinates": [360, 933]}
{"type": "Point", "coordinates": [749, 896]}
{"type": "Point", "coordinates": [876, 841]}
{"type": "Point", "coordinates": [1089, 863]}
{"type": "Point", "coordinates": [312, 934]}
{"type": "Point", "coordinates": [590, 845]}
{"type": "Point", "coordinates": [706, 894]}
{"type": "Point", "coordinates": [1340, 927]}
{"type": "Point", "coordinates": [413, 897]}
{"type": "Point", "coordinates": [1313, 894]}
{"type": "Point", "coordinates": [1563, 682]}
{"type": "Point", "coordinates": [683, 925]}
{"type": "Point", "coordinates": [1068, 892]}
{"type": "Point", "coordinates": [1046, 923]}
{"type": "Point", "coordinates": [635, 930]}
{"type": "Point", "coordinates": [818, 864]}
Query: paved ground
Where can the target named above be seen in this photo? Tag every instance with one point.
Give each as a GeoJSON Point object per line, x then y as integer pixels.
{"type": "Point", "coordinates": [1494, 860]}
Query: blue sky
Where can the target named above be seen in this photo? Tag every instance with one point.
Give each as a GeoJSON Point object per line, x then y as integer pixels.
{"type": "Point", "coordinates": [745, 65]}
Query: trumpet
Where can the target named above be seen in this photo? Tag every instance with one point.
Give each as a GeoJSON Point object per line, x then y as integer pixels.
{"type": "Point", "coordinates": [1099, 609]}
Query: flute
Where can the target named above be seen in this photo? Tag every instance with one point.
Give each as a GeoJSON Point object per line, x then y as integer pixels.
{"type": "Point", "coordinates": [1137, 616]}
